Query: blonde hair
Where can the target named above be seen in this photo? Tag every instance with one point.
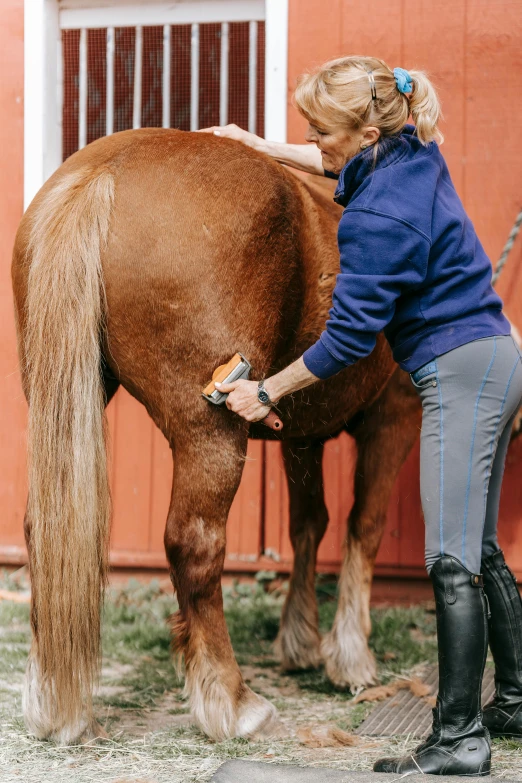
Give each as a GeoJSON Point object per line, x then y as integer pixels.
{"type": "Point", "coordinates": [339, 93]}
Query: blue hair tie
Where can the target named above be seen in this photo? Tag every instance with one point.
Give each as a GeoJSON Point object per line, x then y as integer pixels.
{"type": "Point", "coordinates": [403, 80]}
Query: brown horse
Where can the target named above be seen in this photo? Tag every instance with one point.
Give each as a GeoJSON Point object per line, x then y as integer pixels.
{"type": "Point", "coordinates": [149, 258]}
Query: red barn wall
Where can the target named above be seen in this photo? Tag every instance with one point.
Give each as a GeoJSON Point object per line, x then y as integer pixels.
{"type": "Point", "coordinates": [472, 51]}
{"type": "Point", "coordinates": [13, 408]}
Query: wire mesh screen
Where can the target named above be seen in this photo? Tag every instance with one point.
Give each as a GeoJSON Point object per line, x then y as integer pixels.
{"type": "Point", "coordinates": [179, 76]}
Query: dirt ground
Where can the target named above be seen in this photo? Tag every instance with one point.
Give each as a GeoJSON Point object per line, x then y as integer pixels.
{"type": "Point", "coordinates": [141, 706]}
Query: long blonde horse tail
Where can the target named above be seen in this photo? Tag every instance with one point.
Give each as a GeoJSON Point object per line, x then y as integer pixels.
{"type": "Point", "coordinates": [69, 499]}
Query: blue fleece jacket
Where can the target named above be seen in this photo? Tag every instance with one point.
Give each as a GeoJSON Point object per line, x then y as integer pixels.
{"type": "Point", "coordinates": [411, 263]}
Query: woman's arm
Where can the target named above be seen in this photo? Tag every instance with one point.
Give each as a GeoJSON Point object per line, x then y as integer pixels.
{"type": "Point", "coordinates": [244, 402]}
{"type": "Point", "coordinates": [305, 157]}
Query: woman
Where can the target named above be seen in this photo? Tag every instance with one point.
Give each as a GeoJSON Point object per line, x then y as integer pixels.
{"type": "Point", "coordinates": [411, 265]}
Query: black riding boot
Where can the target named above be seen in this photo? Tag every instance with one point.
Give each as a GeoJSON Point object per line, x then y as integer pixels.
{"type": "Point", "coordinates": [458, 744]}
{"type": "Point", "coordinates": [503, 715]}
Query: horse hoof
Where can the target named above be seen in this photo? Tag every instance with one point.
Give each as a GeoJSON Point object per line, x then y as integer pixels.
{"type": "Point", "coordinates": [348, 665]}
{"type": "Point", "coordinates": [257, 718]}
{"type": "Point", "coordinates": [297, 655]}
{"type": "Point", "coordinates": [275, 729]}
{"type": "Point", "coordinates": [83, 733]}
{"type": "Point", "coordinates": [93, 733]}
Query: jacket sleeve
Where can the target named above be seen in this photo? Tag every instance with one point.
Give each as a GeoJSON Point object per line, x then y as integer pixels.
{"type": "Point", "coordinates": [381, 257]}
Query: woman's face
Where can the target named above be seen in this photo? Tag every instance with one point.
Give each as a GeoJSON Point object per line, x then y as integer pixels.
{"type": "Point", "coordinates": [337, 146]}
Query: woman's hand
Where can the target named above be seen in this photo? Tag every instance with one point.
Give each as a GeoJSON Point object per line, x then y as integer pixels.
{"type": "Point", "coordinates": [242, 395]}
{"type": "Point", "coordinates": [235, 132]}
{"type": "Point", "coordinates": [242, 399]}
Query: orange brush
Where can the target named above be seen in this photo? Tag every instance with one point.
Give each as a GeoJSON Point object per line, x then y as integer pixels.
{"type": "Point", "coordinates": [238, 367]}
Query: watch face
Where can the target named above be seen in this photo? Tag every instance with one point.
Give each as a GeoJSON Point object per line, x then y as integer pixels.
{"type": "Point", "coordinates": [262, 396]}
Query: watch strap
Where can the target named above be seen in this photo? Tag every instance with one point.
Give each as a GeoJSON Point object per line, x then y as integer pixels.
{"type": "Point", "coordinates": [266, 397]}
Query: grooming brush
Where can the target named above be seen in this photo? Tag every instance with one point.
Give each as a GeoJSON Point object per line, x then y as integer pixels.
{"type": "Point", "coordinates": [238, 367]}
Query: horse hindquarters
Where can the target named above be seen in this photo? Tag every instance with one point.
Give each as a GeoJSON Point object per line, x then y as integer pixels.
{"type": "Point", "coordinates": [208, 469]}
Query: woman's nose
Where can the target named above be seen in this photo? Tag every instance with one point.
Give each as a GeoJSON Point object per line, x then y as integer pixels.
{"type": "Point", "coordinates": [310, 135]}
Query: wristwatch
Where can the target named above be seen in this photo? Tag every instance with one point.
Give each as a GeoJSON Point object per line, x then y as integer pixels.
{"type": "Point", "coordinates": [262, 394]}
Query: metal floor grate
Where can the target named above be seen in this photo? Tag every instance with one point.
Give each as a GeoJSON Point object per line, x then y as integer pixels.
{"type": "Point", "coordinates": [405, 713]}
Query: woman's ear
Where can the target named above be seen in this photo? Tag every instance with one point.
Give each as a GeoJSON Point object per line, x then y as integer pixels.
{"type": "Point", "coordinates": [370, 136]}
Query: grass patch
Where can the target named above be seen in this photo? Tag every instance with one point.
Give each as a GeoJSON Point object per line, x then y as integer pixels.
{"type": "Point", "coordinates": [316, 681]}
{"type": "Point", "coordinates": [135, 622]}
{"type": "Point", "coordinates": [506, 744]}
{"type": "Point", "coordinates": [357, 714]}
{"type": "Point", "coordinates": [136, 645]}
{"type": "Point", "coordinates": [392, 636]}
{"type": "Point", "coordinates": [151, 679]}
{"type": "Point", "coordinates": [13, 614]}
{"type": "Point", "coordinates": [14, 635]}
{"type": "Point", "coordinates": [252, 617]}
{"type": "Point", "coordinates": [13, 659]}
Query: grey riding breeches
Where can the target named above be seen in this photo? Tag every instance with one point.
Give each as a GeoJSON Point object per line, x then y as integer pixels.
{"type": "Point", "coordinates": [470, 397]}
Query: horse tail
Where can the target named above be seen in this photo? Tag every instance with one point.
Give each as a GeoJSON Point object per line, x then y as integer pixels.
{"type": "Point", "coordinates": [69, 498]}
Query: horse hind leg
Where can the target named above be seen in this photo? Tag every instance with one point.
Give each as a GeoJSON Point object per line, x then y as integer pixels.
{"type": "Point", "coordinates": [206, 476]}
{"type": "Point", "coordinates": [298, 644]}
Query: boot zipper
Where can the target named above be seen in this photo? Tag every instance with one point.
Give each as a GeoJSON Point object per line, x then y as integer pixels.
{"type": "Point", "coordinates": [488, 610]}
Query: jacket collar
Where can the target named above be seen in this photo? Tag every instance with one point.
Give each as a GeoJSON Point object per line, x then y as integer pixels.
{"type": "Point", "coordinates": [365, 163]}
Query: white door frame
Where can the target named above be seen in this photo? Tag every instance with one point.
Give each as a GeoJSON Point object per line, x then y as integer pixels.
{"type": "Point", "coordinates": [43, 20]}
{"type": "Point", "coordinates": [42, 102]}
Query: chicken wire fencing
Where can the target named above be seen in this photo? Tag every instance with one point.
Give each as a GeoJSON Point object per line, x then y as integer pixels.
{"type": "Point", "coordinates": [184, 76]}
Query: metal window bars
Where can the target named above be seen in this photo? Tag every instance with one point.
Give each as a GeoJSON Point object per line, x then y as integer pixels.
{"type": "Point", "coordinates": [83, 82]}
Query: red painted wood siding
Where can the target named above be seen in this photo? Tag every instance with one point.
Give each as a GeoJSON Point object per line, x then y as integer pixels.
{"type": "Point", "coordinates": [13, 413]}
{"type": "Point", "coordinates": [472, 51]}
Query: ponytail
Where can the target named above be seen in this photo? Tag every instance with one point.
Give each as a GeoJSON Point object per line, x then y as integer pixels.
{"type": "Point", "coordinates": [425, 108]}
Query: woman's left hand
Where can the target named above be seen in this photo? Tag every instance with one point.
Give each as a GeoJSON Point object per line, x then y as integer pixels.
{"type": "Point", "coordinates": [242, 399]}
